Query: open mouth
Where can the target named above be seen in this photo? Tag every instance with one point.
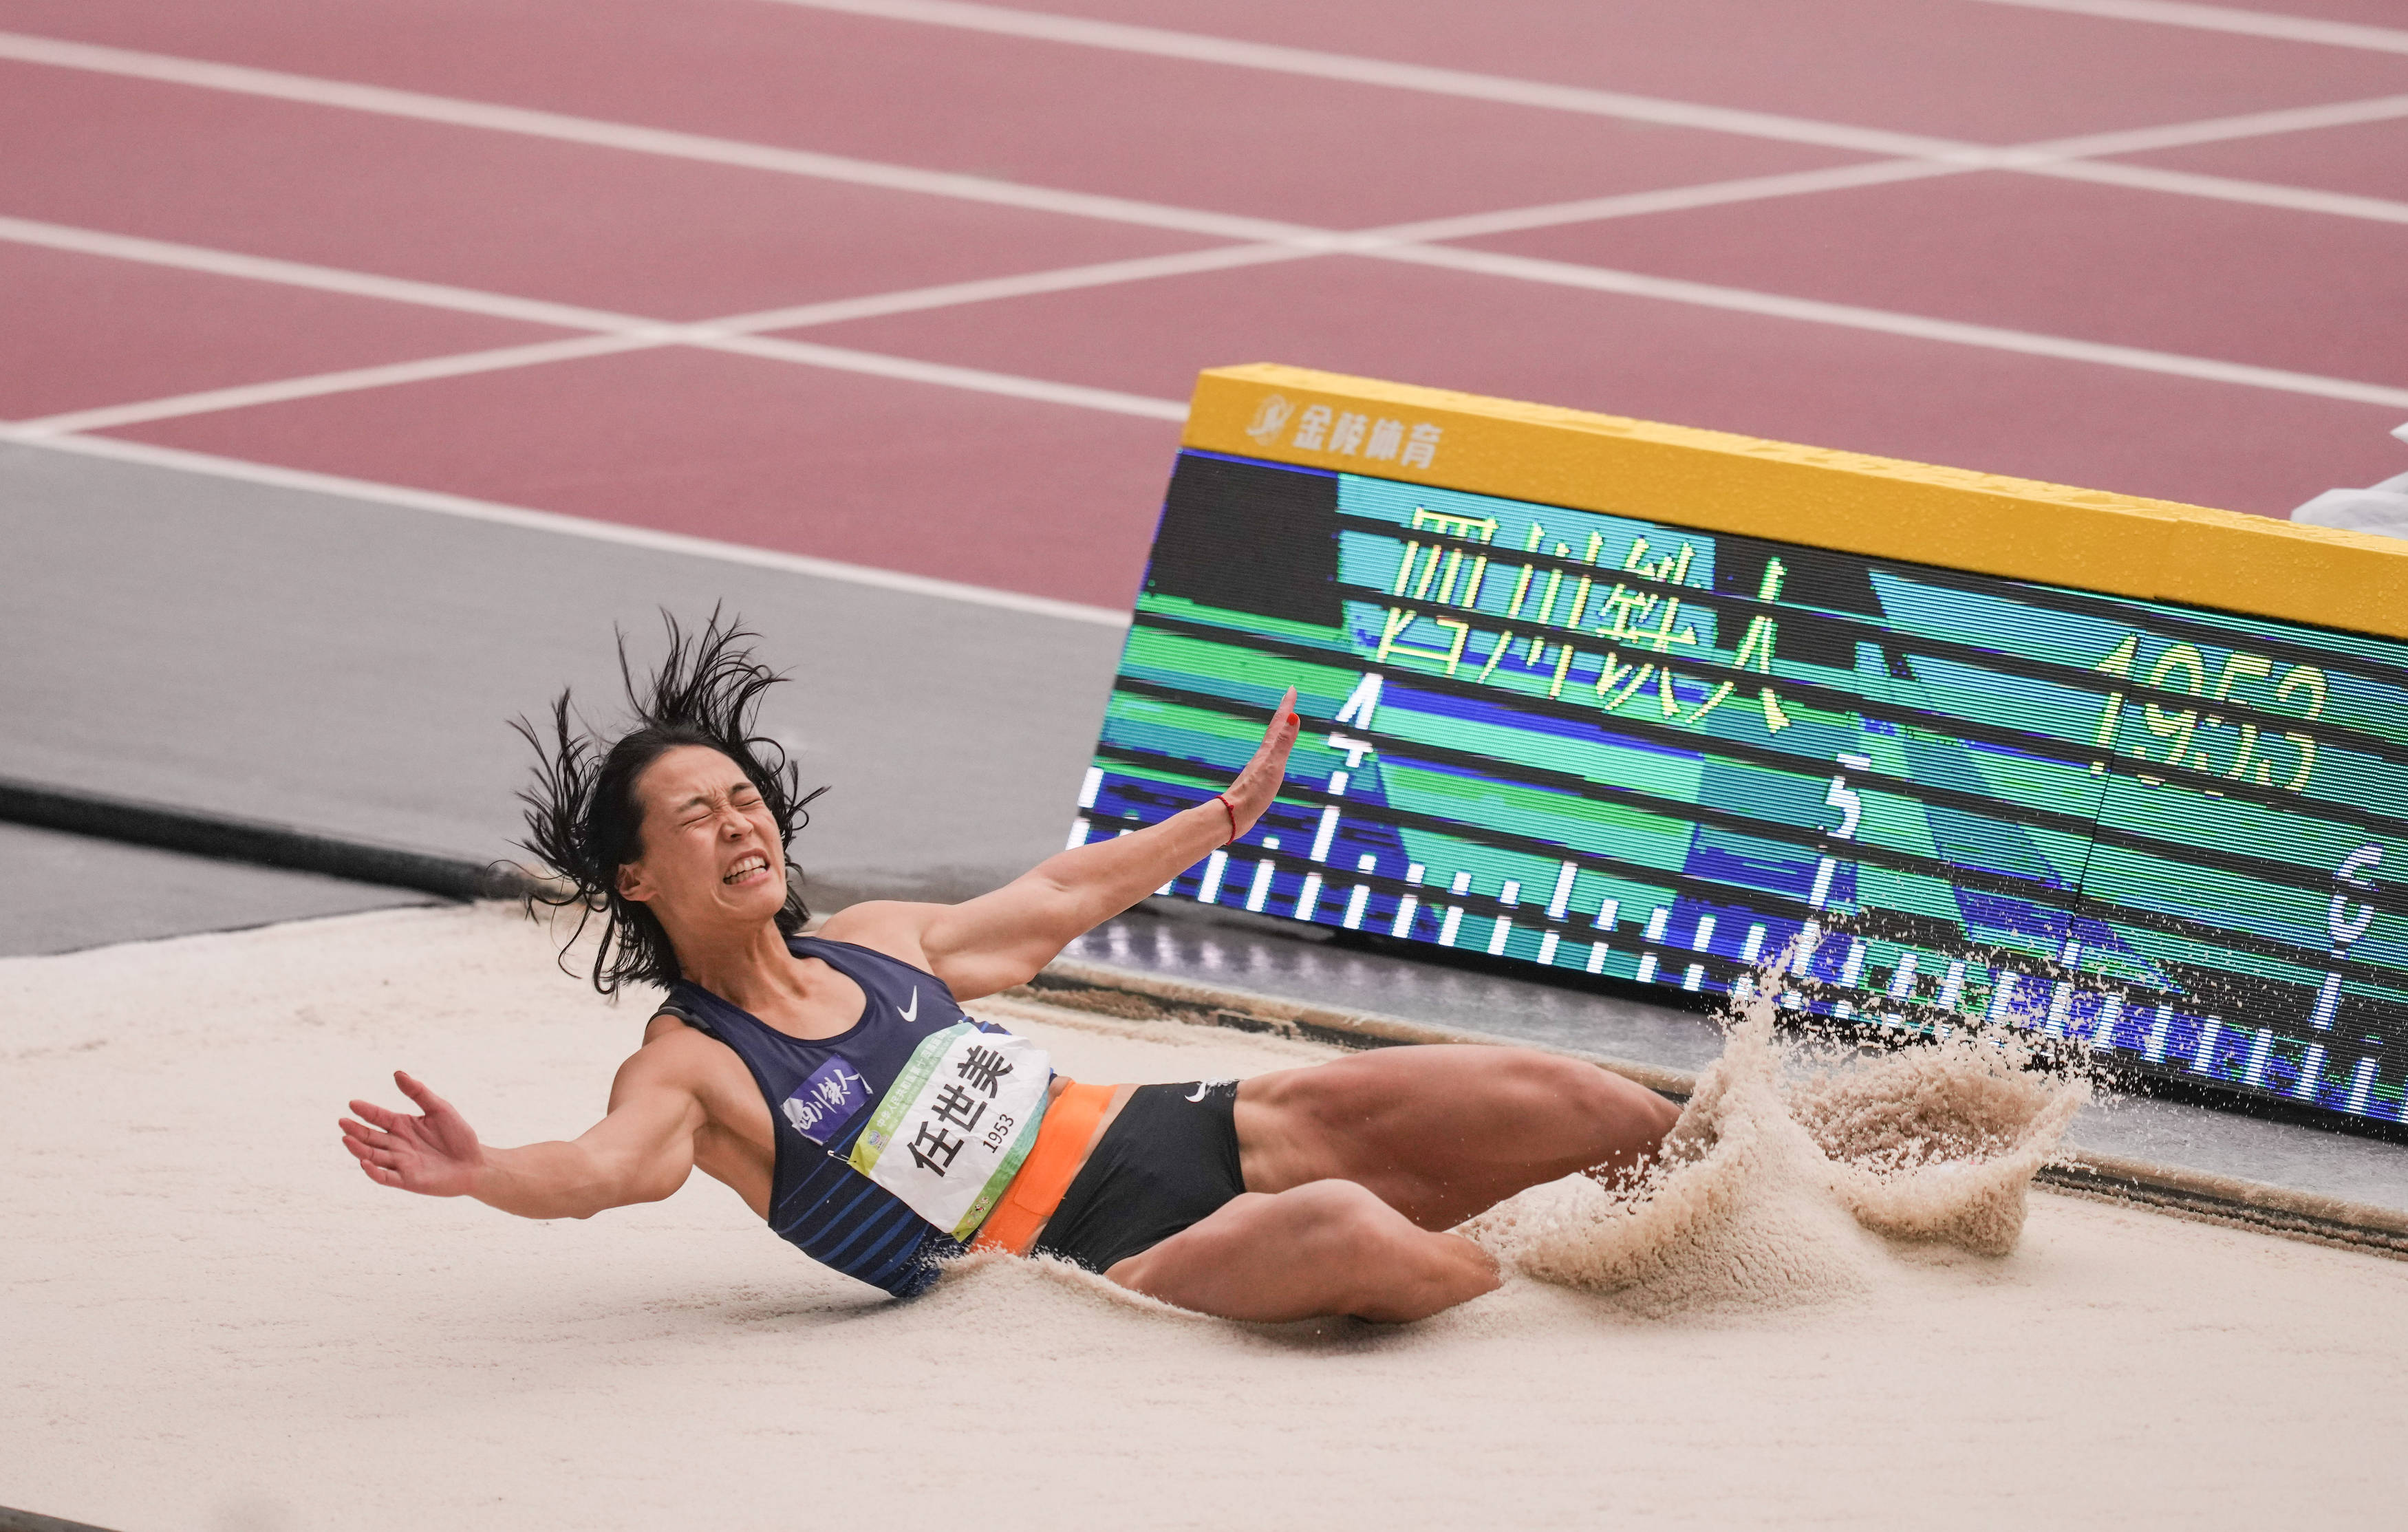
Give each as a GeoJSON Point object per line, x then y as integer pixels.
{"type": "Point", "coordinates": [745, 869]}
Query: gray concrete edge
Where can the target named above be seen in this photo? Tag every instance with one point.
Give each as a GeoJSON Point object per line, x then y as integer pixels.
{"type": "Point", "coordinates": [2191, 1193]}
{"type": "Point", "coordinates": [34, 1520]}
{"type": "Point", "coordinates": [194, 832]}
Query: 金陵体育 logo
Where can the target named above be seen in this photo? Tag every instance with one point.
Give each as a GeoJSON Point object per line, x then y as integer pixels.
{"type": "Point", "coordinates": [1346, 433]}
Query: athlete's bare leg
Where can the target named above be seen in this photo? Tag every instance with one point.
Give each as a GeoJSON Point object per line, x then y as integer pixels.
{"type": "Point", "coordinates": [1441, 1133]}
{"type": "Point", "coordinates": [1353, 1168]}
{"type": "Point", "coordinates": [1328, 1247]}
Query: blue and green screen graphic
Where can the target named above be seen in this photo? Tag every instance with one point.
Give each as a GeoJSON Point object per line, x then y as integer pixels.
{"type": "Point", "coordinates": [1617, 747]}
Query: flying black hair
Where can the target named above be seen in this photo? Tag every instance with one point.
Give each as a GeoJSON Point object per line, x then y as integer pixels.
{"type": "Point", "coordinates": [586, 822]}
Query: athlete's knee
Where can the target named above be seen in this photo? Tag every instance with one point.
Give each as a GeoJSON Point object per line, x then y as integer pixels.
{"type": "Point", "coordinates": [1650, 1114]}
{"type": "Point", "coordinates": [1336, 1212]}
{"type": "Point", "coordinates": [1340, 1225]}
{"type": "Point", "coordinates": [1366, 1247]}
{"type": "Point", "coordinates": [1615, 1103]}
{"type": "Point", "coordinates": [1375, 1264]}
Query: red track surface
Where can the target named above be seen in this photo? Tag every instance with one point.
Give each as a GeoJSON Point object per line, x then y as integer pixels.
{"type": "Point", "coordinates": [926, 474]}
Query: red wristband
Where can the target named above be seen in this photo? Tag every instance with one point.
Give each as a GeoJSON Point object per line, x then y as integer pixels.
{"type": "Point", "coordinates": [1231, 810]}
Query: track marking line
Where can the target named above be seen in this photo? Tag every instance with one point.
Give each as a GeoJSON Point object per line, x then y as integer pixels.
{"type": "Point", "coordinates": [2247, 23]}
{"type": "Point", "coordinates": [943, 375]}
{"type": "Point", "coordinates": [991, 289]}
{"type": "Point", "coordinates": [655, 337]}
{"type": "Point", "coordinates": [2085, 159]}
{"type": "Point", "coordinates": [1816, 312]}
{"type": "Point", "coordinates": [2142, 178]}
{"type": "Point", "coordinates": [349, 381]}
{"type": "Point", "coordinates": [357, 284]}
{"type": "Point", "coordinates": [2031, 157]}
{"type": "Point", "coordinates": [351, 283]}
{"type": "Point", "coordinates": [1199, 48]}
{"type": "Point", "coordinates": [1638, 204]}
{"type": "Point", "coordinates": [618, 333]}
{"type": "Point", "coordinates": [240, 79]}
{"type": "Point", "coordinates": [575, 526]}
{"type": "Point", "coordinates": [739, 334]}
{"type": "Point", "coordinates": [1941, 153]}
{"type": "Point", "coordinates": [1202, 48]}
{"type": "Point", "coordinates": [2333, 114]}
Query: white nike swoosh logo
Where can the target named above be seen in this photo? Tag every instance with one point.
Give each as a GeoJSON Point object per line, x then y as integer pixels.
{"type": "Point", "coordinates": [1201, 1086]}
{"type": "Point", "coordinates": [911, 1011]}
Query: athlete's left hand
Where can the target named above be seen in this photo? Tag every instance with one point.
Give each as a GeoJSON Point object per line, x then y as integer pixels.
{"type": "Point", "coordinates": [1252, 793]}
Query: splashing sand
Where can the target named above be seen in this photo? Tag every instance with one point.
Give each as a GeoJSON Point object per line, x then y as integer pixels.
{"type": "Point", "coordinates": [1783, 1181]}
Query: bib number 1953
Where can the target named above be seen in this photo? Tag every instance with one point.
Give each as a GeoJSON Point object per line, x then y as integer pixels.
{"type": "Point", "coordinates": [952, 1132]}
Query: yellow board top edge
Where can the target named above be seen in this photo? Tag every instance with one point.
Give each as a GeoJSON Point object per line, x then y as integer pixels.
{"type": "Point", "coordinates": [1851, 502]}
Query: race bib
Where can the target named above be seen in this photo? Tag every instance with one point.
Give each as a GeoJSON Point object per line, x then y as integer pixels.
{"type": "Point", "coordinates": [950, 1133]}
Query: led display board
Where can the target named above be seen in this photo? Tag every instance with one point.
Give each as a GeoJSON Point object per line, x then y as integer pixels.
{"type": "Point", "coordinates": [1664, 705]}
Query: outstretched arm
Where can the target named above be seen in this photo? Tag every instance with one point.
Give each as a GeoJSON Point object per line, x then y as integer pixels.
{"type": "Point", "coordinates": [1003, 938]}
{"type": "Point", "coordinates": [642, 1152]}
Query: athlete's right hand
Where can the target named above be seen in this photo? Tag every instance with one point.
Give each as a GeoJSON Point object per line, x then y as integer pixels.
{"type": "Point", "coordinates": [436, 1154]}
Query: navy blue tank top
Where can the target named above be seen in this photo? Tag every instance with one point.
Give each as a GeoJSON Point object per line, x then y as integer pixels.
{"type": "Point", "coordinates": [820, 1095]}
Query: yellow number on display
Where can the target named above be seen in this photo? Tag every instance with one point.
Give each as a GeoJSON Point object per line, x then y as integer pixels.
{"type": "Point", "coordinates": [2183, 668]}
{"type": "Point", "coordinates": [2118, 665]}
{"type": "Point", "coordinates": [2309, 678]}
{"type": "Point", "coordinates": [2181, 726]}
{"type": "Point", "coordinates": [2254, 665]}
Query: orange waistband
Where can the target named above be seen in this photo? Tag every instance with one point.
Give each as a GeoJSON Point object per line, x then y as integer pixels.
{"type": "Point", "coordinates": [1062, 1139]}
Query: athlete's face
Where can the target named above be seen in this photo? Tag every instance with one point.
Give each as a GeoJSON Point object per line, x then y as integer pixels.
{"type": "Point", "coordinates": [710, 853]}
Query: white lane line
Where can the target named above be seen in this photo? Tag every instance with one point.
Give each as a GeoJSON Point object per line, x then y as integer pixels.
{"type": "Point", "coordinates": [731, 335]}
{"type": "Point", "coordinates": [1205, 49]}
{"type": "Point", "coordinates": [977, 381]}
{"type": "Point", "coordinates": [360, 284]}
{"type": "Point", "coordinates": [2332, 114]}
{"type": "Point", "coordinates": [1880, 173]}
{"type": "Point", "coordinates": [2299, 199]}
{"type": "Point", "coordinates": [1293, 242]}
{"type": "Point", "coordinates": [2084, 159]}
{"type": "Point", "coordinates": [575, 526]}
{"type": "Point", "coordinates": [467, 363]}
{"type": "Point", "coordinates": [619, 332]}
{"type": "Point", "coordinates": [357, 284]}
{"type": "Point", "coordinates": [2036, 159]}
{"type": "Point", "coordinates": [590, 131]}
{"type": "Point", "coordinates": [1201, 48]}
{"type": "Point", "coordinates": [350, 381]}
{"type": "Point", "coordinates": [991, 289]}
{"type": "Point", "coordinates": [1638, 204]}
{"type": "Point", "coordinates": [1815, 311]}
{"type": "Point", "coordinates": [2248, 23]}
{"type": "Point", "coordinates": [1940, 154]}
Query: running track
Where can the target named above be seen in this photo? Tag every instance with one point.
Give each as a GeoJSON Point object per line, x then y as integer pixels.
{"type": "Point", "coordinates": [920, 286]}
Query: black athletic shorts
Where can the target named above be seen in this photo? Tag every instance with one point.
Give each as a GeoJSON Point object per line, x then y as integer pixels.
{"type": "Point", "coordinates": [1169, 1161]}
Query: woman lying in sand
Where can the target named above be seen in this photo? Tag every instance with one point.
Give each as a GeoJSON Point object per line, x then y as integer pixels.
{"type": "Point", "coordinates": [834, 1082]}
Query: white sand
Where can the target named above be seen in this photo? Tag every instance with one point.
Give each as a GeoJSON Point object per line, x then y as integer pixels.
{"type": "Point", "coordinates": [212, 1320]}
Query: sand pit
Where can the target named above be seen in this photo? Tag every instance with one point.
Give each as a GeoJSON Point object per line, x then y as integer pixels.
{"type": "Point", "coordinates": [212, 1320]}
